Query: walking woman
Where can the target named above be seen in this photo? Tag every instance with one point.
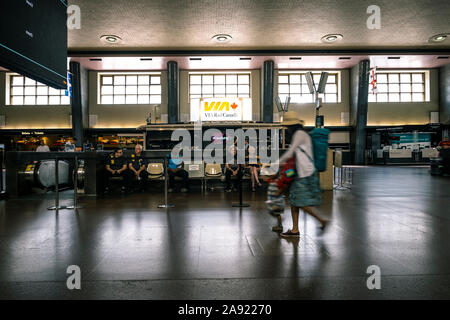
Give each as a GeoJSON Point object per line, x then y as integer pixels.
{"type": "Point", "coordinates": [304, 192]}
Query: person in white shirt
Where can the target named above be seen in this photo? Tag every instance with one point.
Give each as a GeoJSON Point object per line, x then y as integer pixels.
{"type": "Point", "coordinates": [43, 147]}
{"type": "Point", "coordinates": [305, 191]}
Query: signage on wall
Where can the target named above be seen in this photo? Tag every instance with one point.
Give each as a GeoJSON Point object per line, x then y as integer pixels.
{"type": "Point", "coordinates": [26, 133]}
{"type": "Point", "coordinates": [221, 109]}
{"type": "Point", "coordinates": [68, 91]}
{"type": "Point", "coordinates": [373, 80]}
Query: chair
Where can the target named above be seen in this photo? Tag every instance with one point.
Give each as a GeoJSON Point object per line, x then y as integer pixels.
{"type": "Point", "coordinates": [155, 171]}
{"type": "Point", "coordinates": [196, 171]}
{"type": "Point", "coordinates": [213, 171]}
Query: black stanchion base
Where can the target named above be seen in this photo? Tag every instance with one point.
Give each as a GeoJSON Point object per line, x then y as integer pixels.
{"type": "Point", "coordinates": [56, 208]}
{"type": "Point", "coordinates": [240, 205]}
{"type": "Point", "coordinates": [164, 206]}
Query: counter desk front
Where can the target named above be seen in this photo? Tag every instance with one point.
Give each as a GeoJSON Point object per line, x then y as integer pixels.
{"type": "Point", "coordinates": [405, 156]}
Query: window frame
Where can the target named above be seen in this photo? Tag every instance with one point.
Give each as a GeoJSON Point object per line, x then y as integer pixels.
{"type": "Point", "coordinates": [426, 85]}
{"type": "Point", "coordinates": [9, 92]}
{"type": "Point", "coordinates": [218, 73]}
{"type": "Point", "coordinates": [338, 84]}
{"type": "Point", "coordinates": [112, 74]}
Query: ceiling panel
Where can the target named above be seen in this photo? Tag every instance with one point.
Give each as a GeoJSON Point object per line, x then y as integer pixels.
{"type": "Point", "coordinates": [258, 24]}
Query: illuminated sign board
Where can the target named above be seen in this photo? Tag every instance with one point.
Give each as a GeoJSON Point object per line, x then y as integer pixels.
{"type": "Point", "coordinates": [221, 109]}
{"type": "Point", "coordinates": [25, 133]}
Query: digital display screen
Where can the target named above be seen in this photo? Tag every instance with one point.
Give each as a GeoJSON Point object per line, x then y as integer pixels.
{"type": "Point", "coordinates": [33, 39]}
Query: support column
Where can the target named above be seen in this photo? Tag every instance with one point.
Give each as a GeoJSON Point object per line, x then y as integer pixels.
{"type": "Point", "coordinates": [359, 95]}
{"type": "Point", "coordinates": [267, 90]}
{"type": "Point", "coordinates": [80, 102]}
{"type": "Point", "coordinates": [173, 92]}
{"type": "Point", "coordinates": [444, 94]}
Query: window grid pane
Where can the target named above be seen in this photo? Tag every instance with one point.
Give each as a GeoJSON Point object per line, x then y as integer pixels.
{"type": "Point", "coordinates": [25, 91]}
{"type": "Point", "coordinates": [294, 85]}
{"type": "Point", "coordinates": [130, 89]}
{"type": "Point", "coordinates": [399, 87]}
{"type": "Point", "coordinates": [219, 85]}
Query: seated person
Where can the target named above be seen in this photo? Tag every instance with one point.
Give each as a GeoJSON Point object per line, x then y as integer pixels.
{"type": "Point", "coordinates": [70, 145]}
{"type": "Point", "coordinates": [175, 169]}
{"type": "Point", "coordinates": [116, 166]}
{"type": "Point", "coordinates": [254, 166]}
{"type": "Point", "coordinates": [137, 165]}
{"type": "Point", "coordinates": [233, 169]}
{"type": "Point", "coordinates": [43, 147]}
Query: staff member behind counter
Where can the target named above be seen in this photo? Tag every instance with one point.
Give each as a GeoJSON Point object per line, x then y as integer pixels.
{"type": "Point", "coordinates": [137, 167]}
{"type": "Point", "coordinates": [116, 166]}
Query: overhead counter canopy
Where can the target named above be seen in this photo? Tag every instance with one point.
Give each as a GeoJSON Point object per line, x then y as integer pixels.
{"type": "Point", "coordinates": [191, 126]}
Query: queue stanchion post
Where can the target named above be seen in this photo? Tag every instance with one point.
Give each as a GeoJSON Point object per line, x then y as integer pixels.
{"type": "Point", "coordinates": [56, 206]}
{"type": "Point", "coordinates": [1, 171]}
{"type": "Point", "coordinates": [240, 204]}
{"type": "Point", "coordinates": [75, 187]}
{"type": "Point", "coordinates": [2, 187]}
{"type": "Point", "coordinates": [166, 205]}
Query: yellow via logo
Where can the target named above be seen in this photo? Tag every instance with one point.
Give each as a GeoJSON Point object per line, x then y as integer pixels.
{"type": "Point", "coordinates": [217, 106]}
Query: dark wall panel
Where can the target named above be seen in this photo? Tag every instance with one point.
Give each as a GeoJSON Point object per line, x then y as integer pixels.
{"type": "Point", "coordinates": [444, 94]}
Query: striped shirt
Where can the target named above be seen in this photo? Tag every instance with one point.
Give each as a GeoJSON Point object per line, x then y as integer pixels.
{"type": "Point", "coordinates": [274, 201]}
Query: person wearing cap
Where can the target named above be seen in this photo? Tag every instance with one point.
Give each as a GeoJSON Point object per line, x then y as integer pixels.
{"type": "Point", "coordinates": [304, 191]}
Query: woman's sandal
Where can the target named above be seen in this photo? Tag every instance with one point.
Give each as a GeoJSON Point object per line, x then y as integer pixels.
{"type": "Point", "coordinates": [324, 225]}
{"type": "Point", "coordinates": [290, 234]}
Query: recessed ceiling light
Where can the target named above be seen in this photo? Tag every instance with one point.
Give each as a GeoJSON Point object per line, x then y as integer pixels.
{"type": "Point", "coordinates": [110, 39]}
{"type": "Point", "coordinates": [439, 37]}
{"type": "Point", "coordinates": [222, 38]}
{"type": "Point", "coordinates": [330, 38]}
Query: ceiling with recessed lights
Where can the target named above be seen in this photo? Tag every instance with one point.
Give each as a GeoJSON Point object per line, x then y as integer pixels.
{"type": "Point", "coordinates": [258, 24]}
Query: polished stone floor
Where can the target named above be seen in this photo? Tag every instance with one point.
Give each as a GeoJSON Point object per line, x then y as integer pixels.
{"type": "Point", "coordinates": [397, 218]}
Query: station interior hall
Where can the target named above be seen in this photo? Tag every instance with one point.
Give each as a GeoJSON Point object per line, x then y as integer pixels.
{"type": "Point", "coordinates": [95, 101]}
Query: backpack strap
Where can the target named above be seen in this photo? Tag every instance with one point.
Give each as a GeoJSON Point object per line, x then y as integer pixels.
{"type": "Point", "coordinates": [309, 157]}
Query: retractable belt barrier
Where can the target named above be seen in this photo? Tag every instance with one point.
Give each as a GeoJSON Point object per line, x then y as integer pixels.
{"type": "Point", "coordinates": [14, 159]}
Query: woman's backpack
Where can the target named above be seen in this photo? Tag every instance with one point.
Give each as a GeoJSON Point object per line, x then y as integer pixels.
{"type": "Point", "coordinates": [319, 138]}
